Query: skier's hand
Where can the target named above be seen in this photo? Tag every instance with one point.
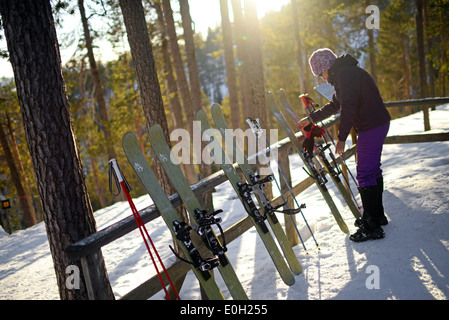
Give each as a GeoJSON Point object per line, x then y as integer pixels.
{"type": "Point", "coordinates": [302, 124]}
{"type": "Point", "coordinates": [340, 147]}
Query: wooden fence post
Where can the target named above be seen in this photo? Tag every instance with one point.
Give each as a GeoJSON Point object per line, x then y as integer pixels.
{"type": "Point", "coordinates": [95, 283]}
{"type": "Point", "coordinates": [426, 119]}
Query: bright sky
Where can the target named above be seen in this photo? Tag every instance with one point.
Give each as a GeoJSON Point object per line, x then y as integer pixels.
{"type": "Point", "coordinates": [205, 14]}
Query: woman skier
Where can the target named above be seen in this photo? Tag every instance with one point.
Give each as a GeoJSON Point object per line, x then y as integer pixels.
{"type": "Point", "coordinates": [358, 99]}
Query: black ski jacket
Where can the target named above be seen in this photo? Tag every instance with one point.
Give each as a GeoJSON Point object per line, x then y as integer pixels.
{"type": "Point", "coordinates": [356, 96]}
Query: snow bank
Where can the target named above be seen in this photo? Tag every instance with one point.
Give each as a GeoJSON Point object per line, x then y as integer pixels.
{"type": "Point", "coordinates": [410, 263]}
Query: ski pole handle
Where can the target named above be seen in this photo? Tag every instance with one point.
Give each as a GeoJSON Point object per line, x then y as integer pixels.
{"type": "Point", "coordinates": [114, 169]}
{"type": "Point", "coordinates": [117, 173]}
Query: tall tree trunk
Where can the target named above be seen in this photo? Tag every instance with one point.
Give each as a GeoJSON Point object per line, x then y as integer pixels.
{"type": "Point", "coordinates": [242, 57]}
{"type": "Point", "coordinates": [15, 152]}
{"type": "Point", "coordinates": [431, 91]}
{"type": "Point", "coordinates": [136, 111]}
{"type": "Point", "coordinates": [181, 79]}
{"type": "Point", "coordinates": [372, 54]}
{"type": "Point", "coordinates": [299, 53]}
{"type": "Point", "coordinates": [443, 58]}
{"type": "Point", "coordinates": [308, 75]}
{"type": "Point", "coordinates": [139, 129]}
{"type": "Point", "coordinates": [29, 214]}
{"type": "Point", "coordinates": [26, 198]}
{"type": "Point", "coordinates": [422, 59]}
{"type": "Point", "coordinates": [36, 62]}
{"type": "Point", "coordinates": [192, 64]}
{"type": "Point", "coordinates": [175, 104]}
{"type": "Point", "coordinates": [256, 76]}
{"type": "Point", "coordinates": [195, 86]}
{"type": "Point", "coordinates": [178, 64]}
{"type": "Point", "coordinates": [421, 55]}
{"type": "Point", "coordinates": [98, 185]}
{"type": "Point", "coordinates": [405, 70]}
{"type": "Point", "coordinates": [99, 92]}
{"type": "Point", "coordinates": [230, 64]}
{"type": "Point", "coordinates": [408, 47]}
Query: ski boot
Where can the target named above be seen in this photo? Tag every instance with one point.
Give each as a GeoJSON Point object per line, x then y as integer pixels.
{"type": "Point", "coordinates": [369, 227]}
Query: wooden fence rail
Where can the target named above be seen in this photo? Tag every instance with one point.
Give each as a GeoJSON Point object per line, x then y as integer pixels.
{"type": "Point", "coordinates": [424, 104]}
{"type": "Point", "coordinates": [85, 247]}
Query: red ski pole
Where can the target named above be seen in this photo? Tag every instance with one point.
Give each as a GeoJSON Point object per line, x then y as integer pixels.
{"type": "Point", "coordinates": [143, 230]}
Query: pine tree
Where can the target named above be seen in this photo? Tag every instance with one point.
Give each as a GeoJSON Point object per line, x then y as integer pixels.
{"type": "Point", "coordinates": [230, 64]}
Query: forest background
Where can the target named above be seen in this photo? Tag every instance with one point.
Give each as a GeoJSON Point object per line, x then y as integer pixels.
{"type": "Point", "coordinates": [406, 55]}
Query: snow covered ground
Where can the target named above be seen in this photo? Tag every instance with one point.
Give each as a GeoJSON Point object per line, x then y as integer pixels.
{"type": "Point", "coordinates": [411, 262]}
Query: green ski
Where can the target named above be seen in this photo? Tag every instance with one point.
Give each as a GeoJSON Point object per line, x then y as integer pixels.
{"type": "Point", "coordinates": [199, 217]}
{"type": "Point", "coordinates": [143, 170]}
{"type": "Point", "coordinates": [252, 178]}
{"type": "Point", "coordinates": [319, 178]}
{"type": "Point", "coordinates": [244, 193]}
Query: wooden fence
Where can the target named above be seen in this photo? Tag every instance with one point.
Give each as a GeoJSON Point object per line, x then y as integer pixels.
{"type": "Point", "coordinates": [93, 243]}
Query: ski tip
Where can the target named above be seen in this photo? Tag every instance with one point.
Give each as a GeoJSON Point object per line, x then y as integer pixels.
{"type": "Point", "coordinates": [289, 282]}
{"type": "Point", "coordinates": [129, 136]}
{"type": "Point", "coordinates": [270, 96]}
{"type": "Point", "coordinates": [154, 130]}
{"type": "Point", "coordinates": [215, 106]}
{"type": "Point", "coordinates": [155, 126]}
{"type": "Point", "coordinates": [216, 110]}
{"type": "Point", "coordinates": [282, 92]}
{"type": "Point", "coordinates": [199, 111]}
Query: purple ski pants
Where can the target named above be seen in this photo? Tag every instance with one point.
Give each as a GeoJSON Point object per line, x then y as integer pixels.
{"type": "Point", "coordinates": [369, 151]}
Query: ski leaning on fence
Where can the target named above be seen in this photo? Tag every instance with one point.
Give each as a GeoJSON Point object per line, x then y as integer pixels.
{"type": "Point", "coordinates": [251, 177]}
{"type": "Point", "coordinates": [244, 191]}
{"type": "Point", "coordinates": [180, 231]}
{"type": "Point", "coordinates": [254, 124]}
{"type": "Point", "coordinates": [318, 177]}
{"type": "Point", "coordinates": [334, 171]}
{"type": "Point", "coordinates": [201, 219]}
